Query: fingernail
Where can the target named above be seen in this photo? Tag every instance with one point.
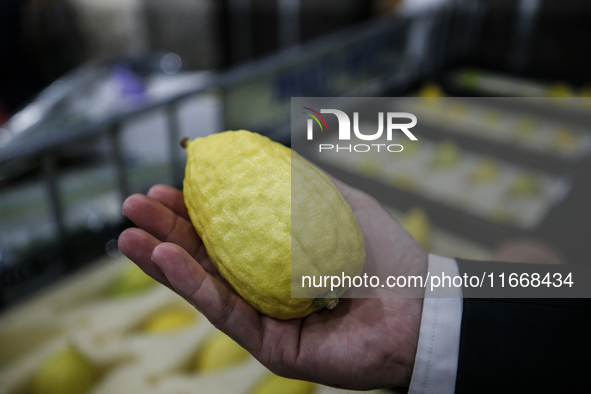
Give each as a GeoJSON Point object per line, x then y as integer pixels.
{"type": "Point", "coordinates": [152, 258]}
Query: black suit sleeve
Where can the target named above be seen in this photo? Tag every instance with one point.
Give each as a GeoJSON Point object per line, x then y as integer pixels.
{"type": "Point", "coordinates": [524, 345]}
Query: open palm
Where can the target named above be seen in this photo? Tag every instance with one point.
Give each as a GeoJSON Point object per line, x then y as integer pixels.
{"type": "Point", "coordinates": [364, 343]}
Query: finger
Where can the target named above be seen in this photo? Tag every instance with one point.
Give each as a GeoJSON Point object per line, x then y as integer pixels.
{"type": "Point", "coordinates": [171, 198]}
{"type": "Point", "coordinates": [162, 223]}
{"type": "Point", "coordinates": [138, 246]}
{"type": "Point", "coordinates": [223, 308]}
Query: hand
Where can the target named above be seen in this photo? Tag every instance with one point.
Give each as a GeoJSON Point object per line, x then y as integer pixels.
{"type": "Point", "coordinates": [362, 344]}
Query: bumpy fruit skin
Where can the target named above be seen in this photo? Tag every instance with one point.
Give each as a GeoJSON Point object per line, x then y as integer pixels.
{"type": "Point", "coordinates": [242, 191]}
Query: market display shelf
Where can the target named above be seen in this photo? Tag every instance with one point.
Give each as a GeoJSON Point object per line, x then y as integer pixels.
{"type": "Point", "coordinates": [480, 185]}
{"type": "Point", "coordinates": [441, 241]}
{"type": "Point", "coordinates": [91, 201]}
{"type": "Point", "coordinates": [491, 123]}
{"type": "Point", "coordinates": [109, 330]}
{"type": "Point", "coordinates": [489, 169]}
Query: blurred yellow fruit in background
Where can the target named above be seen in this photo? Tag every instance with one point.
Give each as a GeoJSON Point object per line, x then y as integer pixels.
{"type": "Point", "coordinates": [431, 94]}
{"type": "Point", "coordinates": [132, 280]}
{"type": "Point", "coordinates": [458, 111]}
{"type": "Point", "coordinates": [563, 139]}
{"type": "Point", "coordinates": [410, 149]}
{"type": "Point", "coordinates": [370, 168]}
{"type": "Point", "coordinates": [417, 224]}
{"type": "Point", "coordinates": [526, 185]}
{"type": "Point", "coordinates": [431, 89]}
{"type": "Point", "coordinates": [446, 154]}
{"type": "Point", "coordinates": [493, 118]}
{"type": "Point", "coordinates": [274, 384]}
{"type": "Point", "coordinates": [220, 351]}
{"type": "Point", "coordinates": [65, 372]}
{"type": "Point", "coordinates": [170, 319]}
{"type": "Point", "coordinates": [525, 128]}
{"type": "Point", "coordinates": [487, 170]}
{"type": "Point", "coordinates": [404, 181]}
{"type": "Point", "coordinates": [560, 90]}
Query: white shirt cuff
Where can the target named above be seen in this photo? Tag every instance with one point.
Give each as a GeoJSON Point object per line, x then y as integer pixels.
{"type": "Point", "coordinates": [436, 361]}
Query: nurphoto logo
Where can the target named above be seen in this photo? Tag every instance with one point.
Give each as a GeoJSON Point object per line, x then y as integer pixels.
{"type": "Point", "coordinates": [344, 132]}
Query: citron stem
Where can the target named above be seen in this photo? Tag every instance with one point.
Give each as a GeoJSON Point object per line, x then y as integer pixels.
{"type": "Point", "coordinates": [328, 300]}
{"type": "Point", "coordinates": [332, 304]}
{"type": "Point", "coordinates": [185, 142]}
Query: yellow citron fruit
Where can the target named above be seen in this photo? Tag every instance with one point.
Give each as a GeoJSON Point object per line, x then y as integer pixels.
{"type": "Point", "coordinates": [404, 181]}
{"type": "Point", "coordinates": [500, 214]}
{"type": "Point", "coordinates": [167, 320]}
{"type": "Point", "coordinates": [431, 94]}
{"type": "Point", "coordinates": [446, 154]}
{"type": "Point", "coordinates": [370, 168]}
{"type": "Point", "coordinates": [525, 128]}
{"type": "Point", "coordinates": [564, 138]}
{"type": "Point", "coordinates": [262, 211]}
{"type": "Point", "coordinates": [417, 224]}
{"type": "Point", "coordinates": [560, 90]}
{"type": "Point", "coordinates": [431, 90]}
{"type": "Point", "coordinates": [458, 111]}
{"type": "Point", "coordinates": [492, 118]}
{"type": "Point", "coordinates": [274, 384]}
{"type": "Point", "coordinates": [132, 280]}
{"type": "Point", "coordinates": [526, 185]}
{"type": "Point", "coordinates": [219, 352]}
{"type": "Point", "coordinates": [410, 149]}
{"type": "Point", "coordinates": [487, 170]}
{"type": "Point", "coordinates": [66, 371]}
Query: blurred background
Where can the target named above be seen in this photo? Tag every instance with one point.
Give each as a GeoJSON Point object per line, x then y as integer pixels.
{"type": "Point", "coordinates": [95, 96]}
